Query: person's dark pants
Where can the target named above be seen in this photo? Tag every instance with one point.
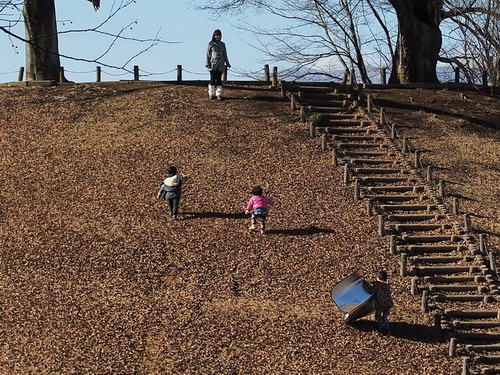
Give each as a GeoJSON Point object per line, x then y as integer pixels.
{"type": "Point", "coordinates": [262, 220]}
{"type": "Point", "coordinates": [173, 203]}
{"type": "Point", "coordinates": [216, 78]}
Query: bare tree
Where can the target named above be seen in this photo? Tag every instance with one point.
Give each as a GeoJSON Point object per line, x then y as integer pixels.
{"type": "Point", "coordinates": [359, 33]}
{"type": "Point", "coordinates": [41, 35]}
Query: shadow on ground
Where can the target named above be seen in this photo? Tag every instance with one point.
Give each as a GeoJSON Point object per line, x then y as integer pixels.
{"type": "Point", "coordinates": [300, 231]}
{"type": "Point", "coordinates": [403, 330]}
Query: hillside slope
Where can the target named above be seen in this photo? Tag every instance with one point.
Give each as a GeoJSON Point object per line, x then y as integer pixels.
{"type": "Point", "coordinates": [96, 278]}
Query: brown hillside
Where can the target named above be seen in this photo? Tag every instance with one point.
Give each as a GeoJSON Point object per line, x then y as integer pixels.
{"type": "Point", "coordinates": [95, 278]}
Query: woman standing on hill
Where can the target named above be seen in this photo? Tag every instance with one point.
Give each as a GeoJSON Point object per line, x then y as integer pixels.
{"type": "Point", "coordinates": [215, 63]}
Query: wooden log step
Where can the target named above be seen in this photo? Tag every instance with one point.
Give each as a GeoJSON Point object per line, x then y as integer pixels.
{"type": "Point", "coordinates": [417, 217]}
{"type": "Point", "coordinates": [340, 116]}
{"type": "Point", "coordinates": [443, 270]}
{"type": "Point", "coordinates": [420, 227]}
{"type": "Point", "coordinates": [481, 348]}
{"type": "Point", "coordinates": [472, 314]}
{"type": "Point", "coordinates": [385, 179]}
{"type": "Point", "coordinates": [314, 89]}
{"type": "Point", "coordinates": [408, 207]}
{"type": "Point", "coordinates": [431, 239]}
{"type": "Point", "coordinates": [373, 161]}
{"type": "Point", "coordinates": [493, 337]}
{"type": "Point", "coordinates": [347, 124]}
{"type": "Point", "coordinates": [360, 145]}
{"type": "Point", "coordinates": [462, 298]}
{"type": "Point", "coordinates": [347, 130]}
{"type": "Point", "coordinates": [322, 95]}
{"type": "Point", "coordinates": [327, 109]}
{"type": "Point", "coordinates": [457, 288]}
{"type": "Point", "coordinates": [394, 198]}
{"type": "Point", "coordinates": [362, 154]}
{"type": "Point", "coordinates": [487, 359]}
{"type": "Point", "coordinates": [476, 325]}
{"type": "Point", "coordinates": [321, 103]}
{"type": "Point", "coordinates": [380, 170]}
{"type": "Point", "coordinates": [422, 249]}
{"type": "Point", "coordinates": [441, 259]}
{"type": "Point", "coordinates": [454, 279]}
{"type": "Point", "coordinates": [489, 371]}
{"type": "Point", "coordinates": [360, 138]}
{"type": "Point", "coordinates": [397, 188]}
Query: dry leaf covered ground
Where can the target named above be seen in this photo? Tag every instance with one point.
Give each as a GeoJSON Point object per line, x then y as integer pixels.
{"type": "Point", "coordinates": [96, 279]}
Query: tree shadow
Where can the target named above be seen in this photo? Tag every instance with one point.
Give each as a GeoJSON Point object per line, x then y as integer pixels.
{"type": "Point", "coordinates": [208, 215]}
{"type": "Point", "coordinates": [300, 231]}
{"type": "Point", "coordinates": [403, 330]}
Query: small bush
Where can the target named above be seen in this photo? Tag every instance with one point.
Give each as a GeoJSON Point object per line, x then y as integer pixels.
{"type": "Point", "coordinates": [318, 119]}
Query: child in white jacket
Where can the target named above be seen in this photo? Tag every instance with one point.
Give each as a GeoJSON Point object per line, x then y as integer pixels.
{"type": "Point", "coordinates": [171, 189]}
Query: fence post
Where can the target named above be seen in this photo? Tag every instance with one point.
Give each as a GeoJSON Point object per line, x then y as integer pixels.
{"type": "Point", "coordinates": [98, 74]}
{"type": "Point", "coordinates": [179, 73]}
{"type": "Point", "coordinates": [382, 116]}
{"type": "Point", "coordinates": [224, 74]}
{"type": "Point", "coordinates": [136, 72]}
{"type": "Point", "coordinates": [369, 103]}
{"type": "Point", "coordinates": [21, 74]}
{"type": "Point", "coordinates": [383, 76]}
{"type": "Point", "coordinates": [61, 74]}
{"type": "Point", "coordinates": [275, 76]}
{"type": "Point", "coordinates": [457, 74]}
{"type": "Point", "coordinates": [266, 73]}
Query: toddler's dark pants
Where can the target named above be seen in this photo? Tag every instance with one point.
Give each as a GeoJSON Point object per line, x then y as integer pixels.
{"type": "Point", "coordinates": [173, 203]}
{"type": "Point", "coordinates": [261, 218]}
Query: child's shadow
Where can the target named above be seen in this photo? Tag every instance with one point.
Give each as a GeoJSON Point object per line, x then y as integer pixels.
{"type": "Point", "coordinates": [300, 231]}
{"type": "Point", "coordinates": [207, 215]}
{"type": "Point", "coordinates": [403, 330]}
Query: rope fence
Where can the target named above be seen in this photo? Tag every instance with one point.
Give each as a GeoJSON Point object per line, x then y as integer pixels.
{"type": "Point", "coordinates": [447, 76]}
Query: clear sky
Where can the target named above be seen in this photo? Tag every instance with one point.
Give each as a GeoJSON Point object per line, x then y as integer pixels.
{"type": "Point", "coordinates": [176, 20]}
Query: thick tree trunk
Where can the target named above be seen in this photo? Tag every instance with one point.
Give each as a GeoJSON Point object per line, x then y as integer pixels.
{"type": "Point", "coordinates": [42, 52]}
{"type": "Point", "coordinates": [419, 41]}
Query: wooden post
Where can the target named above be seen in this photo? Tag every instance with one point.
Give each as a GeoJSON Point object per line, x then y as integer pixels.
{"type": "Point", "coordinates": [352, 77]}
{"type": "Point", "coordinates": [346, 174]}
{"type": "Point", "coordinates": [491, 257]}
{"type": "Point", "coordinates": [283, 89]}
{"type": "Point", "coordinates": [224, 74]}
{"type": "Point", "coordinates": [361, 96]}
{"type": "Point", "coordinates": [136, 72]}
{"type": "Point", "coordinates": [393, 131]}
{"type": "Point", "coordinates": [383, 79]}
{"type": "Point", "coordinates": [369, 207]}
{"type": "Point", "coordinates": [453, 347]}
{"type": "Point", "coordinates": [369, 103]}
{"type": "Point", "coordinates": [414, 287]}
{"type": "Point", "coordinates": [441, 188]}
{"type": "Point", "coordinates": [335, 160]}
{"type": "Point", "coordinates": [382, 116]}
{"type": "Point", "coordinates": [381, 230]}
{"type": "Point", "coordinates": [357, 193]}
{"type": "Point", "coordinates": [293, 107]}
{"type": "Point", "coordinates": [275, 77]}
{"type": "Point", "coordinates": [266, 73]}
{"type": "Point", "coordinates": [467, 224]}
{"type": "Point", "coordinates": [456, 207]}
{"type": "Point", "coordinates": [485, 78]}
{"type": "Point", "coordinates": [312, 129]}
{"type": "Point", "coordinates": [417, 159]}
{"type": "Point", "coordinates": [404, 260]}
{"type": "Point", "coordinates": [425, 303]}
{"type": "Point", "coordinates": [302, 114]}
{"type": "Point", "coordinates": [437, 322]}
{"type": "Point", "coordinates": [324, 142]}
{"type": "Point", "coordinates": [482, 248]}
{"type": "Point", "coordinates": [457, 75]}
{"type": "Point", "coordinates": [429, 173]}
{"type": "Point", "coordinates": [465, 365]}
{"type": "Point", "coordinates": [98, 74]}
{"type": "Point", "coordinates": [21, 74]}
{"type": "Point", "coordinates": [405, 144]}
{"type": "Point", "coordinates": [179, 73]}
{"type": "Point", "coordinates": [344, 79]}
{"type": "Point", "coordinates": [392, 246]}
{"type": "Point", "coordinates": [61, 74]}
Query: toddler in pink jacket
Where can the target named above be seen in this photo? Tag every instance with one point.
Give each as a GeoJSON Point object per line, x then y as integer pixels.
{"type": "Point", "coordinates": [258, 205]}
